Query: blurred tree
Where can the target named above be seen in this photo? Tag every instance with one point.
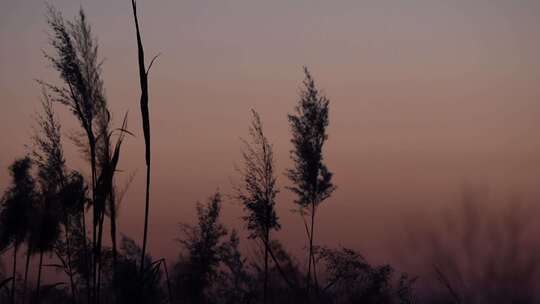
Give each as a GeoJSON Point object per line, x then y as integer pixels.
{"type": "Point", "coordinates": [236, 284]}
{"type": "Point", "coordinates": [194, 273]}
{"type": "Point", "coordinates": [16, 206]}
{"type": "Point", "coordinates": [350, 279]}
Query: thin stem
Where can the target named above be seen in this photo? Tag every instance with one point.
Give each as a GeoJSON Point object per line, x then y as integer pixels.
{"type": "Point", "coordinates": [68, 253]}
{"type": "Point", "coordinates": [99, 245]}
{"type": "Point", "coordinates": [39, 275]}
{"type": "Point", "coordinates": [15, 248]}
{"type": "Point", "coordinates": [28, 251]}
{"type": "Point", "coordinates": [143, 78]}
{"type": "Point", "coordinates": [146, 213]}
{"type": "Point", "coordinates": [265, 296]}
{"type": "Point", "coordinates": [86, 266]}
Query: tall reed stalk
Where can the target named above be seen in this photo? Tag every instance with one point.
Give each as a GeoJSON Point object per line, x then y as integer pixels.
{"type": "Point", "coordinates": [143, 78]}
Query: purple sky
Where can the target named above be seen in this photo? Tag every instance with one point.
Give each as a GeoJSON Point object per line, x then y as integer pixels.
{"type": "Point", "coordinates": [426, 95]}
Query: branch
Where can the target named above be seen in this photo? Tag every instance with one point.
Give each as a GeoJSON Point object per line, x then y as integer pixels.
{"type": "Point", "coordinates": [444, 280]}
{"type": "Point", "coordinates": [152, 62]}
{"type": "Point", "coordinates": [291, 285]}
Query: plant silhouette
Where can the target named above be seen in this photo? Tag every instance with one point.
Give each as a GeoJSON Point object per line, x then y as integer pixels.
{"type": "Point", "coordinates": [60, 216]}
{"type": "Point", "coordinates": [312, 181]}
{"type": "Point", "coordinates": [143, 78]}
{"type": "Point", "coordinates": [49, 158]}
{"type": "Point", "coordinates": [17, 203]}
{"type": "Point", "coordinates": [258, 190]}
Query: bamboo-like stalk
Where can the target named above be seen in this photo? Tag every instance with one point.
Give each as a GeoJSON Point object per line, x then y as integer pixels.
{"type": "Point", "coordinates": [143, 78]}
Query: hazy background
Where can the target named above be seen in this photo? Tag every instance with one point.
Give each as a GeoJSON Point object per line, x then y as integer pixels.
{"type": "Point", "coordinates": [426, 95]}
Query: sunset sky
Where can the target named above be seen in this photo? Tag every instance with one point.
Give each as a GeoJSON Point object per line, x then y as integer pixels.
{"type": "Point", "coordinates": [426, 96]}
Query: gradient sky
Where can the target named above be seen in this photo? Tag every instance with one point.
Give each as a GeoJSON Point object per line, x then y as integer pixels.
{"type": "Point", "coordinates": [426, 95]}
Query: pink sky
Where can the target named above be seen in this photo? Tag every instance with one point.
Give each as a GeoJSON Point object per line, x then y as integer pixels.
{"type": "Point", "coordinates": [425, 96]}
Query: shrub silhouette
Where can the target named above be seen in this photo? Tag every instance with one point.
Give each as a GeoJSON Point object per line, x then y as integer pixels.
{"type": "Point", "coordinates": [17, 203]}
{"type": "Point", "coordinates": [204, 248]}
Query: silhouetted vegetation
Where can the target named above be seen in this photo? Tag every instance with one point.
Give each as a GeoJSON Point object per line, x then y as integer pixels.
{"type": "Point", "coordinates": [45, 206]}
{"type": "Point", "coordinates": [312, 181]}
{"type": "Point", "coordinates": [143, 77]}
{"type": "Point", "coordinates": [479, 253]}
{"type": "Point", "coordinates": [258, 190]}
{"type": "Point", "coordinates": [17, 204]}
